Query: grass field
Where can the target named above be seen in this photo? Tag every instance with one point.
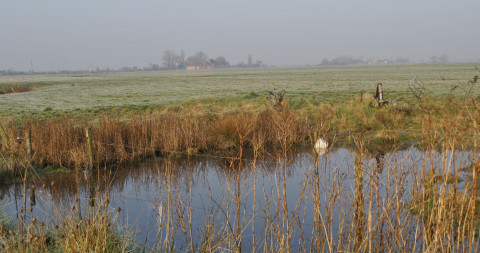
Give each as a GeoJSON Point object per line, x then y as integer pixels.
{"type": "Point", "coordinates": [225, 90]}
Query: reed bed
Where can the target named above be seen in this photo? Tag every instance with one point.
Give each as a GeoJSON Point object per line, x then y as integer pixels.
{"type": "Point", "coordinates": [63, 142]}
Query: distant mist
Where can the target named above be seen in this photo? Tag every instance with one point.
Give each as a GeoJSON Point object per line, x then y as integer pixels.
{"type": "Point", "coordinates": [55, 35]}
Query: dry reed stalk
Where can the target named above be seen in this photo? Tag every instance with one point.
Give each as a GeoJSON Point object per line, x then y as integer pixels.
{"type": "Point", "coordinates": [358, 200]}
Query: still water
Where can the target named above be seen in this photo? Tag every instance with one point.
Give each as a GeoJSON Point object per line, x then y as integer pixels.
{"type": "Point", "coordinates": [210, 197]}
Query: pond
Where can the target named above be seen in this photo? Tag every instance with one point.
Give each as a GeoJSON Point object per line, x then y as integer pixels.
{"type": "Point", "coordinates": [341, 200]}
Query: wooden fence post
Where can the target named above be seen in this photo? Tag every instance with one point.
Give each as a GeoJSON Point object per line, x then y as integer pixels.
{"type": "Point", "coordinates": [5, 145]}
{"type": "Point", "coordinates": [379, 93]}
{"type": "Point", "coordinates": [91, 154]}
{"type": "Point", "coordinates": [28, 143]}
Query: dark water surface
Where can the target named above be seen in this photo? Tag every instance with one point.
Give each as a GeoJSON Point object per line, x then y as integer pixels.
{"type": "Point", "coordinates": [221, 192]}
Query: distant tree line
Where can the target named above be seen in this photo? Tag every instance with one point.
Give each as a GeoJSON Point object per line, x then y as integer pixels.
{"type": "Point", "coordinates": [200, 60]}
{"type": "Point", "coordinates": [343, 60]}
{"type": "Point", "coordinates": [439, 59]}
{"type": "Point", "coordinates": [349, 60]}
{"type": "Point", "coordinates": [172, 60]}
{"type": "Point", "coordinates": [13, 72]}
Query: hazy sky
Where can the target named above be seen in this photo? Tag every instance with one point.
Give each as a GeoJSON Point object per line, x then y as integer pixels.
{"type": "Point", "coordinates": [65, 34]}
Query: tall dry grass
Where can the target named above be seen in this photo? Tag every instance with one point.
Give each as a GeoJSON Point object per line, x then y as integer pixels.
{"type": "Point", "coordinates": [63, 142]}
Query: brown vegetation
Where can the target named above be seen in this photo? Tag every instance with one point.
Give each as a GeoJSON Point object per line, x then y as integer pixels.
{"type": "Point", "coordinates": [63, 142]}
{"type": "Point", "coordinates": [16, 89]}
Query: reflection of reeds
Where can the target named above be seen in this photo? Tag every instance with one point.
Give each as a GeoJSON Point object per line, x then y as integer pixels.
{"type": "Point", "coordinates": [66, 227]}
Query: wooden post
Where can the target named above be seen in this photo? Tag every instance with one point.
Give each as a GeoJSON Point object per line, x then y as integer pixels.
{"type": "Point", "coordinates": [28, 143]}
{"type": "Point", "coordinates": [91, 154]}
{"type": "Point", "coordinates": [5, 145]}
{"type": "Point", "coordinates": [379, 93]}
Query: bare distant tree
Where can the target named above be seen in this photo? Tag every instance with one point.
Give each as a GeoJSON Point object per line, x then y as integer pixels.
{"type": "Point", "coordinates": [439, 59]}
{"type": "Point", "coordinates": [325, 62]}
{"type": "Point", "coordinates": [221, 62]}
{"type": "Point", "coordinates": [250, 60]}
{"type": "Point", "coordinates": [342, 60]}
{"type": "Point", "coordinates": [402, 60]}
{"type": "Point", "coordinates": [181, 60]}
{"type": "Point", "coordinates": [240, 65]}
{"type": "Point", "coordinates": [169, 59]}
{"type": "Point", "coordinates": [199, 59]}
{"type": "Point", "coordinates": [259, 64]}
{"type": "Point", "coordinates": [152, 67]}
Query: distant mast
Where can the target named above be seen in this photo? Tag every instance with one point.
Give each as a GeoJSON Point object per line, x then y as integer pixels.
{"type": "Point", "coordinates": [31, 67]}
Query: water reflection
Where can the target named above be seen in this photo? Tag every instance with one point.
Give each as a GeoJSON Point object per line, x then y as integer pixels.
{"type": "Point", "coordinates": [304, 199]}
